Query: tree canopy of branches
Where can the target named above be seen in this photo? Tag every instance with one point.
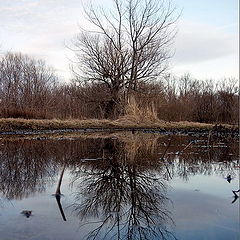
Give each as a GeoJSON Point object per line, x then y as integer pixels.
{"type": "Point", "coordinates": [128, 46]}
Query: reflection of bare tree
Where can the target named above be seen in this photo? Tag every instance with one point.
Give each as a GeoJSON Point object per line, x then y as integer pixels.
{"type": "Point", "coordinates": [121, 188]}
{"type": "Point", "coordinates": [129, 200]}
{"type": "Point", "coordinates": [197, 161]}
{"type": "Point", "coordinates": [27, 166]}
{"type": "Point", "coordinates": [24, 170]}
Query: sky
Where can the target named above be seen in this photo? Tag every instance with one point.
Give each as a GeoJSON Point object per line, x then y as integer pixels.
{"type": "Point", "coordinates": [206, 45]}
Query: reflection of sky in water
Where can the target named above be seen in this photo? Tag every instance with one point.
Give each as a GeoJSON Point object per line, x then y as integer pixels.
{"type": "Point", "coordinates": [207, 215]}
{"type": "Point", "coordinates": [203, 209]}
{"type": "Point", "coordinates": [200, 207]}
{"type": "Point", "coordinates": [212, 185]}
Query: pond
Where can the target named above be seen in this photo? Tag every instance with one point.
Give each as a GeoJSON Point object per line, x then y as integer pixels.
{"type": "Point", "coordinates": [123, 185]}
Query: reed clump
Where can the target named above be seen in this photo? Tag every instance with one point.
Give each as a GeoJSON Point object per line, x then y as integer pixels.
{"type": "Point", "coordinates": [137, 114]}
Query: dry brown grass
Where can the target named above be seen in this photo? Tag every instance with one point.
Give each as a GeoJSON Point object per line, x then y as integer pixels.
{"type": "Point", "coordinates": [140, 114]}
{"type": "Point", "coordinates": [137, 116]}
{"type": "Point", "coordinates": [125, 122]}
{"type": "Point", "coordinates": [10, 124]}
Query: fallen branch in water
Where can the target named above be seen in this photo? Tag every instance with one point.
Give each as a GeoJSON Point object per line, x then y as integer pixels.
{"type": "Point", "coordinates": [58, 194]}
{"type": "Point", "coordinates": [169, 143]}
{"type": "Point", "coordinates": [185, 147]}
{"type": "Point", "coordinates": [235, 195]}
{"type": "Point", "coordinates": [58, 191]}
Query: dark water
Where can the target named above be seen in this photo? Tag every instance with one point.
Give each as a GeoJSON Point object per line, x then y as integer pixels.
{"type": "Point", "coordinates": [119, 186]}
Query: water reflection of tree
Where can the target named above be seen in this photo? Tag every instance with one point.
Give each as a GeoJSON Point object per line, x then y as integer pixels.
{"type": "Point", "coordinates": [27, 166]}
{"type": "Point", "coordinates": [24, 169]}
{"type": "Point", "coordinates": [122, 189]}
{"type": "Point", "coordinates": [128, 199]}
{"type": "Point", "coordinates": [202, 160]}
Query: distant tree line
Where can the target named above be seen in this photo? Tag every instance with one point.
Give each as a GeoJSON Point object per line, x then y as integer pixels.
{"type": "Point", "coordinates": [30, 89]}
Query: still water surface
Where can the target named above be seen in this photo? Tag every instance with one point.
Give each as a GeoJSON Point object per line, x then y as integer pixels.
{"type": "Point", "coordinates": [119, 186]}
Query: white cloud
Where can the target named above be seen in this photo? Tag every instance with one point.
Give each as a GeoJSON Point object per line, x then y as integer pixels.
{"type": "Point", "coordinates": [206, 51]}
{"type": "Point", "coordinates": [211, 69]}
{"type": "Point", "coordinates": [200, 42]}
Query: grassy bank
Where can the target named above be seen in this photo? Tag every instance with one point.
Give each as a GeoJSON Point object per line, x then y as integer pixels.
{"type": "Point", "coordinates": [10, 124]}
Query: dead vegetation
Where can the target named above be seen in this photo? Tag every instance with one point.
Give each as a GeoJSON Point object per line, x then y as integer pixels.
{"type": "Point", "coordinates": [136, 117]}
{"type": "Point", "coordinates": [126, 122]}
{"type": "Point", "coordinates": [29, 90]}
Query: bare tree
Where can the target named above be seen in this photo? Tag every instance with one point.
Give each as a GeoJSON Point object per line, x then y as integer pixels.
{"type": "Point", "coordinates": [129, 46]}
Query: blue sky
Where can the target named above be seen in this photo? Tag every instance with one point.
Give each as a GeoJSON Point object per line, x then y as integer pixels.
{"type": "Point", "coordinates": [215, 12]}
{"type": "Point", "coordinates": [206, 45]}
